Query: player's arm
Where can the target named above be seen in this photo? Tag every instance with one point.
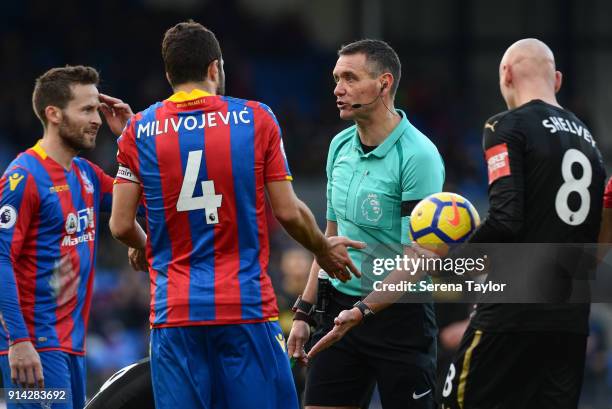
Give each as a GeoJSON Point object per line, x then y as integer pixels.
{"type": "Point", "coordinates": [504, 147]}
{"type": "Point", "coordinates": [127, 193]}
{"type": "Point", "coordinates": [136, 257]}
{"type": "Point", "coordinates": [299, 222]}
{"type": "Point", "coordinates": [19, 200]}
{"type": "Point", "coordinates": [123, 224]}
{"type": "Point", "coordinates": [107, 183]}
{"type": "Point", "coordinates": [16, 208]}
{"type": "Point", "coordinates": [292, 213]}
{"type": "Point", "coordinates": [504, 151]}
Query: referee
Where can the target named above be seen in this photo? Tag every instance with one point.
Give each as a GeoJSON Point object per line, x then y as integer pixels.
{"type": "Point", "coordinates": [377, 170]}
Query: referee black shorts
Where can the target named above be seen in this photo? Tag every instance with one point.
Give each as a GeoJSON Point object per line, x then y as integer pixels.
{"type": "Point", "coordinates": [389, 350]}
{"type": "Point", "coordinates": [515, 370]}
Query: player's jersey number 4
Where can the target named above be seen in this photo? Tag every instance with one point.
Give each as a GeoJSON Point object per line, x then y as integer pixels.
{"type": "Point", "coordinates": [209, 200]}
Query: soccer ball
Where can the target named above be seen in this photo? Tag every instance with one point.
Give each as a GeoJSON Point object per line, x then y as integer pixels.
{"type": "Point", "coordinates": [441, 219]}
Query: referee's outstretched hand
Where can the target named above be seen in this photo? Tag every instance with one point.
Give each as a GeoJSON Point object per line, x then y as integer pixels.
{"type": "Point", "coordinates": [346, 320]}
{"type": "Point", "coordinates": [335, 259]}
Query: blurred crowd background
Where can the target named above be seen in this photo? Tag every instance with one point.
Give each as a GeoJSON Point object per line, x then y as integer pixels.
{"type": "Point", "coordinates": [282, 52]}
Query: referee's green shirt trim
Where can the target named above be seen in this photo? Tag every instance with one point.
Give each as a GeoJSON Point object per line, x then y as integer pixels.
{"type": "Point", "coordinates": [365, 192]}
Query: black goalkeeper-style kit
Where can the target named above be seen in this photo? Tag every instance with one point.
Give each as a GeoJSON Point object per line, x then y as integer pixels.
{"type": "Point", "coordinates": [546, 183]}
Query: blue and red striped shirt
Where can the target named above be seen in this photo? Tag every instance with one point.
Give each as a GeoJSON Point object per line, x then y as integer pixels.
{"type": "Point", "coordinates": [202, 161]}
{"type": "Point", "coordinates": [48, 232]}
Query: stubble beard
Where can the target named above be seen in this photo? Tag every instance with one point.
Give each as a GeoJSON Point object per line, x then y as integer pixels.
{"type": "Point", "coordinates": [75, 136]}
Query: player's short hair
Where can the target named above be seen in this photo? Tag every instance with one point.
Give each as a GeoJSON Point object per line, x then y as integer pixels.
{"type": "Point", "coordinates": [54, 87]}
{"type": "Point", "coordinates": [380, 55]}
{"type": "Point", "coordinates": [187, 49]}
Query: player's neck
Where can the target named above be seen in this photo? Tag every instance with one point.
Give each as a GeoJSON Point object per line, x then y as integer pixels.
{"type": "Point", "coordinates": [187, 87]}
{"type": "Point", "coordinates": [57, 150]}
{"type": "Point", "coordinates": [376, 127]}
{"type": "Point", "coordinates": [533, 93]}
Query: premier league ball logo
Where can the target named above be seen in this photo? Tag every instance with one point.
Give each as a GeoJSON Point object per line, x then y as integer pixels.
{"type": "Point", "coordinates": [8, 217]}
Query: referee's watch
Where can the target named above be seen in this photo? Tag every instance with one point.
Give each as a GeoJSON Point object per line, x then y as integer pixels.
{"type": "Point", "coordinates": [365, 310]}
{"type": "Point", "coordinates": [304, 306]}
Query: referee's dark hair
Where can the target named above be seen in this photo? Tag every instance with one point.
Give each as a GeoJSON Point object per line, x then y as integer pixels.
{"type": "Point", "coordinates": [382, 57]}
{"type": "Point", "coordinates": [53, 87]}
{"type": "Point", "coordinates": [188, 49]}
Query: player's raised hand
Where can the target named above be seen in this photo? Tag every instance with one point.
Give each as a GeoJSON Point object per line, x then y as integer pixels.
{"type": "Point", "coordinates": [26, 369]}
{"type": "Point", "coordinates": [346, 320]}
{"type": "Point", "coordinates": [138, 259]}
{"type": "Point", "coordinates": [336, 260]}
{"type": "Point", "coordinates": [116, 113]}
{"type": "Point", "coordinates": [299, 335]}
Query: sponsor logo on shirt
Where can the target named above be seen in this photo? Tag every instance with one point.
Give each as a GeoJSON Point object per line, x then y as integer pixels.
{"type": "Point", "coordinates": [14, 180]}
{"type": "Point", "coordinates": [81, 224]}
{"type": "Point", "coordinates": [8, 217]}
{"type": "Point", "coordinates": [59, 188]}
{"type": "Point", "coordinates": [69, 241]}
{"type": "Point", "coordinates": [498, 162]}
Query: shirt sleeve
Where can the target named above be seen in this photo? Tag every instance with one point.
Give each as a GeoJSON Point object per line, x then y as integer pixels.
{"type": "Point", "coordinates": [276, 164]}
{"type": "Point", "coordinates": [504, 148]}
{"type": "Point", "coordinates": [330, 213]}
{"type": "Point", "coordinates": [421, 175]}
{"type": "Point", "coordinates": [18, 201]}
{"type": "Point", "coordinates": [607, 200]}
{"type": "Point", "coordinates": [127, 156]}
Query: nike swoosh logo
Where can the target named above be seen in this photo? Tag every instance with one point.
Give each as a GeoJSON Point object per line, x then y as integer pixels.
{"type": "Point", "coordinates": [419, 396]}
{"type": "Point", "coordinates": [455, 220]}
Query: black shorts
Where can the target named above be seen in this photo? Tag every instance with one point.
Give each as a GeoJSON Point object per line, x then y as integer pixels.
{"type": "Point", "coordinates": [388, 350]}
{"type": "Point", "coordinates": [515, 370]}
